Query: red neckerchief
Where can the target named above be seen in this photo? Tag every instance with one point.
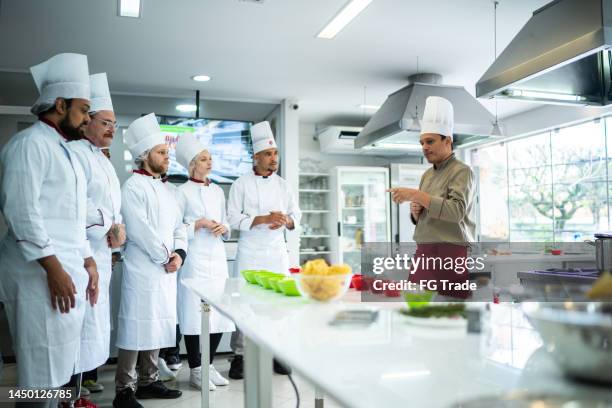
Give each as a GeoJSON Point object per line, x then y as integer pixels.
{"type": "Point", "coordinates": [54, 126]}
{"type": "Point", "coordinates": [262, 175]}
{"type": "Point", "coordinates": [205, 182]}
{"type": "Point", "coordinates": [146, 173]}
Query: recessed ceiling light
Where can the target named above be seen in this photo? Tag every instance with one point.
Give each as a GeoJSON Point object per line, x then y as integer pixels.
{"type": "Point", "coordinates": [368, 107]}
{"type": "Point", "coordinates": [186, 108]}
{"type": "Point", "coordinates": [201, 78]}
{"type": "Point", "coordinates": [344, 16]}
{"type": "Point", "coordinates": [129, 8]}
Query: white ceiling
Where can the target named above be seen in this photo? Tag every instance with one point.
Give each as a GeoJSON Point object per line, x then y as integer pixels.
{"type": "Point", "coordinates": [268, 52]}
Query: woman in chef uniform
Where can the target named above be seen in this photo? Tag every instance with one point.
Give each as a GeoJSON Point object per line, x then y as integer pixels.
{"type": "Point", "coordinates": [203, 211]}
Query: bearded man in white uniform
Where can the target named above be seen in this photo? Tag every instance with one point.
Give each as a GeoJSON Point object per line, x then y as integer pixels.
{"type": "Point", "coordinates": [47, 273]}
{"type": "Point", "coordinates": [155, 249]}
{"type": "Point", "coordinates": [262, 206]}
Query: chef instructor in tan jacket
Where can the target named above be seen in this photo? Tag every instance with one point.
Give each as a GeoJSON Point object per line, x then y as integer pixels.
{"type": "Point", "coordinates": [441, 207]}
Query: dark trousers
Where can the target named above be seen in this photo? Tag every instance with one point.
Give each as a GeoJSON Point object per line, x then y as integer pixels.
{"type": "Point", "coordinates": [433, 272]}
{"type": "Point", "coordinates": [91, 375]}
{"type": "Point", "coordinates": [168, 352]}
{"type": "Point", "coordinates": [192, 343]}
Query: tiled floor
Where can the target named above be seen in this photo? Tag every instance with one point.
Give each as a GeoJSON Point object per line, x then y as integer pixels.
{"type": "Point", "coordinates": [230, 396]}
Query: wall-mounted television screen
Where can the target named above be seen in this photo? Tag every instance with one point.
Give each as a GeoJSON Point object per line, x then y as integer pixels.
{"type": "Point", "coordinates": [228, 141]}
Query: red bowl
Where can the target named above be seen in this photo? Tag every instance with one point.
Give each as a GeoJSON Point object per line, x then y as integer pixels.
{"type": "Point", "coordinates": [357, 282]}
{"type": "Point", "coordinates": [366, 282]}
{"type": "Point", "coordinates": [555, 251]}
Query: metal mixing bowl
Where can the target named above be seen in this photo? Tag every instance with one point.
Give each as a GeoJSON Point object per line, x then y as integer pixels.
{"type": "Point", "coordinates": [577, 335]}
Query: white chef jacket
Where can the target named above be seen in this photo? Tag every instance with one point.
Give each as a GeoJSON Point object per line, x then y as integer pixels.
{"type": "Point", "coordinates": [43, 200]}
{"type": "Point", "coordinates": [147, 314]}
{"type": "Point", "coordinates": [260, 247]}
{"type": "Point", "coordinates": [103, 210]}
{"type": "Point", "coordinates": [207, 259]}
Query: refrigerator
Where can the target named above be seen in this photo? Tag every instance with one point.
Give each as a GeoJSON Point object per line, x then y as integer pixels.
{"type": "Point", "coordinates": [404, 175]}
{"type": "Point", "coordinates": [361, 212]}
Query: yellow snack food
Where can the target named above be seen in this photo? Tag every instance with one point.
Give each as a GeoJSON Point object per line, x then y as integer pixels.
{"type": "Point", "coordinates": [315, 267]}
{"type": "Point", "coordinates": [339, 269]}
{"type": "Point", "coordinates": [322, 287]}
{"type": "Point", "coordinates": [321, 281]}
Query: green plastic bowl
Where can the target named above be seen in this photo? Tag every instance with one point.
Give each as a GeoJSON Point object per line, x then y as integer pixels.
{"type": "Point", "coordinates": [266, 278]}
{"type": "Point", "coordinates": [274, 284]}
{"type": "Point", "coordinates": [260, 277]}
{"type": "Point", "coordinates": [249, 275]}
{"type": "Point", "coordinates": [418, 299]}
{"type": "Point", "coordinates": [288, 287]}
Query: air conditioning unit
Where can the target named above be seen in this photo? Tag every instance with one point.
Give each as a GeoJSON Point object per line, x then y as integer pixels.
{"type": "Point", "coordinates": [339, 140]}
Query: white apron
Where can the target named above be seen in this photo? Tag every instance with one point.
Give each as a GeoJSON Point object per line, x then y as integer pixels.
{"type": "Point", "coordinates": [206, 259]}
{"type": "Point", "coordinates": [147, 315]}
{"type": "Point", "coordinates": [95, 339]}
{"type": "Point", "coordinates": [103, 210]}
{"type": "Point", "coordinates": [261, 247]}
{"type": "Point", "coordinates": [43, 196]}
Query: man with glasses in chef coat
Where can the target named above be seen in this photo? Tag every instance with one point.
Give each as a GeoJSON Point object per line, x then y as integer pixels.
{"type": "Point", "coordinates": [104, 228]}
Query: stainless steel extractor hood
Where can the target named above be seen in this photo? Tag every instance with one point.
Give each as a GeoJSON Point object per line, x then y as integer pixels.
{"type": "Point", "coordinates": [560, 56]}
{"type": "Point", "coordinates": [396, 125]}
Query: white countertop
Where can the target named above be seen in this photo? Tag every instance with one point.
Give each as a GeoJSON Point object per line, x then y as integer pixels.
{"type": "Point", "coordinates": [391, 363]}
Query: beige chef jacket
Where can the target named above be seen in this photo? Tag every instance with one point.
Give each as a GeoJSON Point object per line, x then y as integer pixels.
{"type": "Point", "coordinates": [449, 217]}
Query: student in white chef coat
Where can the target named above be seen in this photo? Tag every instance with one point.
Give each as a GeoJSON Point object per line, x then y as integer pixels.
{"type": "Point", "coordinates": [104, 228]}
{"type": "Point", "coordinates": [262, 206]}
{"type": "Point", "coordinates": [203, 210]}
{"type": "Point", "coordinates": [155, 249]}
{"type": "Point", "coordinates": [47, 273]}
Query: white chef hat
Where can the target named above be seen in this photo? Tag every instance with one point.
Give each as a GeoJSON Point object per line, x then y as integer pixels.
{"type": "Point", "coordinates": [61, 76]}
{"type": "Point", "coordinates": [143, 134]}
{"type": "Point", "coordinates": [262, 137]}
{"type": "Point", "coordinates": [438, 117]}
{"type": "Point", "coordinates": [100, 94]}
{"type": "Point", "coordinates": [187, 148]}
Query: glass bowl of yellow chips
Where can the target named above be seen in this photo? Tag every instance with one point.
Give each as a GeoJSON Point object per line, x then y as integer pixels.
{"type": "Point", "coordinates": [321, 282]}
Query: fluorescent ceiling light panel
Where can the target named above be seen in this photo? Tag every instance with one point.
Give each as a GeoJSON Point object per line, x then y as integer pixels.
{"type": "Point", "coordinates": [130, 8]}
{"type": "Point", "coordinates": [186, 108]}
{"type": "Point", "coordinates": [343, 18]}
{"type": "Point", "coordinates": [546, 95]}
{"type": "Point", "coordinates": [201, 78]}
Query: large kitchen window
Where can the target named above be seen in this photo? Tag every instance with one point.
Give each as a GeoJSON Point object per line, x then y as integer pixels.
{"type": "Point", "coordinates": [554, 186]}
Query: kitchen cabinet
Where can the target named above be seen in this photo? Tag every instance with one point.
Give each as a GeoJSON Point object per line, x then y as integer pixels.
{"type": "Point", "coordinates": [361, 212]}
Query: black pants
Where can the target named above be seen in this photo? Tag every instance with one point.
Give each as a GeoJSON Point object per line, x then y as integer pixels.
{"type": "Point", "coordinates": [166, 353]}
{"type": "Point", "coordinates": [91, 375]}
{"type": "Point", "coordinates": [192, 343]}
